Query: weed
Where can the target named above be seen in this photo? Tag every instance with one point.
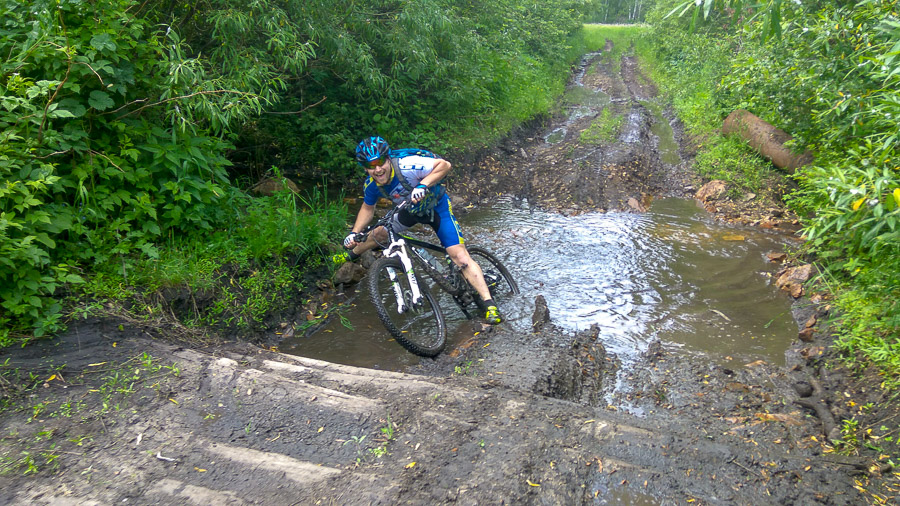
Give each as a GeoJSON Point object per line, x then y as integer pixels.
{"type": "Point", "coordinates": [465, 369]}
{"type": "Point", "coordinates": [604, 128]}
{"type": "Point", "coordinates": [357, 440]}
{"type": "Point", "coordinates": [80, 440]}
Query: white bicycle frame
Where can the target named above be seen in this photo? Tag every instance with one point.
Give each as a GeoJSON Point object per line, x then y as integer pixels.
{"type": "Point", "coordinates": [398, 249]}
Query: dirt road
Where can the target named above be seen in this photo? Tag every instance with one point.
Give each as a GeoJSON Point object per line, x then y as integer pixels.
{"type": "Point", "coordinates": [125, 416]}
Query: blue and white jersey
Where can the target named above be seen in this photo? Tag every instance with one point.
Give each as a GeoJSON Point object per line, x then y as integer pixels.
{"type": "Point", "coordinates": [414, 169]}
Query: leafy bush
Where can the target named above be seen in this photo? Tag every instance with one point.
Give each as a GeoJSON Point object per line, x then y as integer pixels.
{"type": "Point", "coordinates": [107, 145]}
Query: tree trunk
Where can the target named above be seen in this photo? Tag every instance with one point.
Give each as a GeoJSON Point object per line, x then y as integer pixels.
{"type": "Point", "coordinates": [766, 139]}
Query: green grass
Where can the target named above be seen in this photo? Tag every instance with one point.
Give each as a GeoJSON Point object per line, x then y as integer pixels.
{"type": "Point", "coordinates": [622, 36]}
{"type": "Point", "coordinates": [732, 160]}
{"type": "Point", "coordinates": [241, 273]}
{"type": "Point", "coordinates": [604, 128]}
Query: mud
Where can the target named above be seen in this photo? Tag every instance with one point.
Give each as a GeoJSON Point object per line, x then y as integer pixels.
{"type": "Point", "coordinates": [120, 410]}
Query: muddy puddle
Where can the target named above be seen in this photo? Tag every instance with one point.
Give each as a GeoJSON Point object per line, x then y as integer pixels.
{"type": "Point", "coordinates": [671, 274]}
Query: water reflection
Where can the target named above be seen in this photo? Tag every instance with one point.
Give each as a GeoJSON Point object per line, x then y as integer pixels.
{"type": "Point", "coordinates": [671, 273]}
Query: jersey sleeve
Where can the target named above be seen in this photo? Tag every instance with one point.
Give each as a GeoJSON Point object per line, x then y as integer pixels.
{"type": "Point", "coordinates": [416, 167]}
{"type": "Point", "coordinates": [370, 192]}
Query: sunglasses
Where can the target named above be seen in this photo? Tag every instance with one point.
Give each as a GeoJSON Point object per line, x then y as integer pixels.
{"type": "Point", "coordinates": [378, 162]}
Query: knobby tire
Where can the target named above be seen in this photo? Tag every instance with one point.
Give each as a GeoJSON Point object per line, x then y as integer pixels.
{"type": "Point", "coordinates": [420, 330]}
{"type": "Point", "coordinates": [497, 276]}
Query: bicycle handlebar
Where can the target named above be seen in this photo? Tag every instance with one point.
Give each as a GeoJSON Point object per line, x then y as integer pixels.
{"type": "Point", "coordinates": [362, 235]}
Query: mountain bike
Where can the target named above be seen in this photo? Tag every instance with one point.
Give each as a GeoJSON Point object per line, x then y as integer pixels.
{"type": "Point", "coordinates": [405, 304]}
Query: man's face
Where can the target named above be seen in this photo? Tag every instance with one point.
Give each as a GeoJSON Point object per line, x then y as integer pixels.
{"type": "Point", "coordinates": [380, 170]}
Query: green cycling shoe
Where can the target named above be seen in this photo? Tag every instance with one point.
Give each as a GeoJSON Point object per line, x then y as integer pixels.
{"type": "Point", "coordinates": [492, 315]}
{"type": "Point", "coordinates": [341, 258]}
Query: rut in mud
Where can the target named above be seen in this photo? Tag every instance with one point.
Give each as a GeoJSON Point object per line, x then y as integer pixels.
{"type": "Point", "coordinates": [506, 417]}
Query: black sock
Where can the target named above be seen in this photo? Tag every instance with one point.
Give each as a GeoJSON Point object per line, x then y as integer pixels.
{"type": "Point", "coordinates": [353, 255]}
{"type": "Point", "coordinates": [488, 303]}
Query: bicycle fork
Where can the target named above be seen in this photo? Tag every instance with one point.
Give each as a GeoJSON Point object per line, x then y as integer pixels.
{"type": "Point", "coordinates": [415, 298]}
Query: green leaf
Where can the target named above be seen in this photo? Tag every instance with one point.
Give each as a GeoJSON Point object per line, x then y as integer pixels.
{"type": "Point", "coordinates": [103, 41]}
{"type": "Point", "coordinates": [100, 100]}
{"type": "Point", "coordinates": [73, 106]}
{"type": "Point", "coordinates": [74, 278]}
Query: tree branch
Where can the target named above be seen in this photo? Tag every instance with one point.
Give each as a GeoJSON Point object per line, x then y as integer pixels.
{"type": "Point", "coordinates": [210, 92]}
{"type": "Point", "coordinates": [301, 110]}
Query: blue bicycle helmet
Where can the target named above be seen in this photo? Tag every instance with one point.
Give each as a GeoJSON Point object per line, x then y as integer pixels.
{"type": "Point", "coordinates": [371, 149]}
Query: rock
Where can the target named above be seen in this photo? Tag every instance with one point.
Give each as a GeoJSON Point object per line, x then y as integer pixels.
{"type": "Point", "coordinates": [807, 335]}
{"type": "Point", "coordinates": [541, 314]}
{"type": "Point", "coordinates": [713, 190]}
{"type": "Point", "coordinates": [791, 279]}
{"type": "Point", "coordinates": [635, 205]}
{"type": "Point", "coordinates": [270, 186]}
{"type": "Point", "coordinates": [812, 352]}
{"type": "Point", "coordinates": [776, 257]}
{"type": "Point", "coordinates": [654, 351]}
{"type": "Point", "coordinates": [367, 259]}
{"type": "Point", "coordinates": [349, 272]}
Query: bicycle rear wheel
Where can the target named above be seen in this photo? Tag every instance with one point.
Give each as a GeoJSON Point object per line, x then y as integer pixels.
{"type": "Point", "coordinates": [420, 329]}
{"type": "Point", "coordinates": [500, 282]}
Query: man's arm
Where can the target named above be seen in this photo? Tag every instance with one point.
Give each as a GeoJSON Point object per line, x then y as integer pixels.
{"type": "Point", "coordinates": [366, 212]}
{"type": "Point", "coordinates": [441, 169]}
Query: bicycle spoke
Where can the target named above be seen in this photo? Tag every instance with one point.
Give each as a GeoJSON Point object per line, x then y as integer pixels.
{"type": "Point", "coordinates": [418, 329]}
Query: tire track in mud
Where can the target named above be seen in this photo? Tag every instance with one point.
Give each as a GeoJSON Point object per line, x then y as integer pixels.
{"type": "Point", "coordinates": [252, 426]}
{"type": "Point", "coordinates": [579, 174]}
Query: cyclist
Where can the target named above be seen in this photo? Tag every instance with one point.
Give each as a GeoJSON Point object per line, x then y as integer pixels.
{"type": "Point", "coordinates": [398, 175]}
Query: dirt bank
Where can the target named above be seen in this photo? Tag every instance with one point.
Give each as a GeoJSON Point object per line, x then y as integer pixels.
{"type": "Point", "coordinates": [122, 412]}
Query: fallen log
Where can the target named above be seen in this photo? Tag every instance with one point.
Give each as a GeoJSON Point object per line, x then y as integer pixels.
{"type": "Point", "coordinates": [766, 139]}
{"type": "Point", "coordinates": [816, 403]}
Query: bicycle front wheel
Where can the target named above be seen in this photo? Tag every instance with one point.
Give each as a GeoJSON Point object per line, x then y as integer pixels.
{"type": "Point", "coordinates": [500, 282]}
{"type": "Point", "coordinates": [418, 328]}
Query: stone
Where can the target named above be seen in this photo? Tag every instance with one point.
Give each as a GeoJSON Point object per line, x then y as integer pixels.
{"type": "Point", "coordinates": [713, 190]}
{"type": "Point", "coordinates": [807, 335]}
{"type": "Point", "coordinates": [269, 186]}
{"type": "Point", "coordinates": [541, 315]}
{"type": "Point", "coordinates": [791, 279]}
{"type": "Point", "coordinates": [349, 272]}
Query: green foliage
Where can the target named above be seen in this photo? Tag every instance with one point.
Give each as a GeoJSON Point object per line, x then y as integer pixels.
{"type": "Point", "coordinates": [733, 161]}
{"type": "Point", "coordinates": [435, 73]}
{"type": "Point", "coordinates": [120, 120]}
{"type": "Point", "coordinates": [105, 148]}
{"type": "Point", "coordinates": [829, 74]}
{"type": "Point", "coordinates": [241, 272]}
{"type": "Point", "coordinates": [604, 128]}
{"type": "Point", "coordinates": [291, 223]}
